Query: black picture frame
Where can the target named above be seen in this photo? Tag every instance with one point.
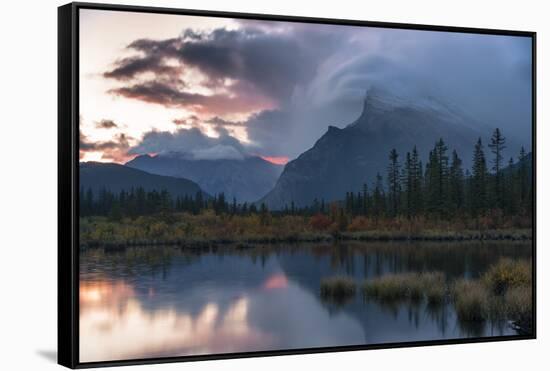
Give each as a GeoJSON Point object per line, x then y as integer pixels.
{"type": "Point", "coordinates": [68, 180]}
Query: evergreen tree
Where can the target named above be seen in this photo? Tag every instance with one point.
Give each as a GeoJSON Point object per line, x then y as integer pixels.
{"type": "Point", "coordinates": [394, 184]}
{"type": "Point", "coordinates": [407, 182]}
{"type": "Point", "coordinates": [456, 183]}
{"type": "Point", "coordinates": [479, 180]}
{"type": "Point", "coordinates": [497, 146]}
{"type": "Point", "coordinates": [437, 179]}
{"type": "Point", "coordinates": [417, 181]}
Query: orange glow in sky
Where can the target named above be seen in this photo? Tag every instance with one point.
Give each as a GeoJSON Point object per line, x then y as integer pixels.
{"type": "Point", "coordinates": [281, 160]}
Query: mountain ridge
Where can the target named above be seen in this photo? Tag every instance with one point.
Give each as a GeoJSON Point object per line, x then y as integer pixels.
{"type": "Point", "coordinates": [344, 159]}
{"type": "Point", "coordinates": [245, 179]}
{"type": "Point", "coordinates": [116, 177]}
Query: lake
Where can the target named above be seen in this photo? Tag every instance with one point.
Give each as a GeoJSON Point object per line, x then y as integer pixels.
{"type": "Point", "coordinates": [147, 302]}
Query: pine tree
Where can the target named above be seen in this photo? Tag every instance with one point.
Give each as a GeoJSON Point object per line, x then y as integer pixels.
{"type": "Point", "coordinates": [437, 179]}
{"type": "Point", "coordinates": [394, 184]}
{"type": "Point", "coordinates": [416, 183]}
{"type": "Point", "coordinates": [456, 183]}
{"type": "Point", "coordinates": [497, 146]}
{"type": "Point", "coordinates": [407, 177]}
{"type": "Point", "coordinates": [479, 180]}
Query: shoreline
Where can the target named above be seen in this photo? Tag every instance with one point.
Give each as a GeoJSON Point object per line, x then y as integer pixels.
{"type": "Point", "coordinates": [372, 236]}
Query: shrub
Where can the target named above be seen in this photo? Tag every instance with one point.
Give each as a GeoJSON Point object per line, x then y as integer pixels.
{"type": "Point", "coordinates": [518, 303]}
{"type": "Point", "coordinates": [339, 288]}
{"type": "Point", "coordinates": [407, 286]}
{"type": "Point", "coordinates": [471, 300]}
{"type": "Point", "coordinates": [320, 222]}
{"type": "Point", "coordinates": [434, 286]}
{"type": "Point", "coordinates": [507, 274]}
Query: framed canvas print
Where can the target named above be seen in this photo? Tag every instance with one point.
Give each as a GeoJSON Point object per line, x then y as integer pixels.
{"type": "Point", "coordinates": [236, 185]}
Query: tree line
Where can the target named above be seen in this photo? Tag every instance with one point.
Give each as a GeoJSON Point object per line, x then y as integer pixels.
{"type": "Point", "coordinates": [138, 201]}
{"type": "Point", "coordinates": [440, 188]}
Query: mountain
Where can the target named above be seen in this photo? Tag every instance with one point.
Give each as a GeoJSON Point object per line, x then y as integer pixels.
{"type": "Point", "coordinates": [245, 179]}
{"type": "Point", "coordinates": [344, 159]}
{"type": "Point", "coordinates": [115, 177]}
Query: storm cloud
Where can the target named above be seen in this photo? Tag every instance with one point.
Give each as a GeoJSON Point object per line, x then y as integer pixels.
{"type": "Point", "coordinates": [294, 80]}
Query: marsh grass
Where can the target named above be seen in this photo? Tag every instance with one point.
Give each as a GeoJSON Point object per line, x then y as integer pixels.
{"type": "Point", "coordinates": [182, 228]}
{"type": "Point", "coordinates": [471, 300]}
{"type": "Point", "coordinates": [338, 289]}
{"type": "Point", "coordinates": [518, 303]}
{"type": "Point", "coordinates": [507, 274]}
{"type": "Point", "coordinates": [504, 292]}
{"type": "Point", "coordinates": [412, 286]}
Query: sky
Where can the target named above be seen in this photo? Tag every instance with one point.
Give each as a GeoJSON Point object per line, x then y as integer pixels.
{"type": "Point", "coordinates": [218, 88]}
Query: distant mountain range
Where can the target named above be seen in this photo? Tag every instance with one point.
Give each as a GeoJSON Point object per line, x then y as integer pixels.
{"type": "Point", "coordinates": [344, 159]}
{"type": "Point", "coordinates": [247, 180]}
{"type": "Point", "coordinates": [115, 177]}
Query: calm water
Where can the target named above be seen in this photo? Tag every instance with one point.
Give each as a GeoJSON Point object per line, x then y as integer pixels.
{"type": "Point", "coordinates": [151, 302]}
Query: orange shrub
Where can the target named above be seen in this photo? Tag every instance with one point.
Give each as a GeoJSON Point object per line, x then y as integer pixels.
{"type": "Point", "coordinates": [359, 223]}
{"type": "Point", "coordinates": [320, 222]}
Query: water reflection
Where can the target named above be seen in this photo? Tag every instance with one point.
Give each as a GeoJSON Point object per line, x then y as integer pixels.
{"type": "Point", "coordinates": [149, 302]}
{"type": "Point", "coordinates": [114, 325]}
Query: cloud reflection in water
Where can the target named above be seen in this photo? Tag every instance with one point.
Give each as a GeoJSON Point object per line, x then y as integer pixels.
{"type": "Point", "coordinates": [115, 325]}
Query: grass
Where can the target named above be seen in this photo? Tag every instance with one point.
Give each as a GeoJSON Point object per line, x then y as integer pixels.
{"type": "Point", "coordinates": [504, 292]}
{"type": "Point", "coordinates": [434, 286]}
{"type": "Point", "coordinates": [338, 289]}
{"type": "Point", "coordinates": [507, 274]}
{"type": "Point", "coordinates": [182, 228]}
{"type": "Point", "coordinates": [471, 300]}
{"type": "Point", "coordinates": [518, 303]}
{"type": "Point", "coordinates": [413, 286]}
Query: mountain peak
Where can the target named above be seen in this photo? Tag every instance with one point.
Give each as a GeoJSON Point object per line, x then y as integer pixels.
{"type": "Point", "coordinates": [380, 99]}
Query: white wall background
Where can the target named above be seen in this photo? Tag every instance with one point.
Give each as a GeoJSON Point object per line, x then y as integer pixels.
{"type": "Point", "coordinates": [28, 153]}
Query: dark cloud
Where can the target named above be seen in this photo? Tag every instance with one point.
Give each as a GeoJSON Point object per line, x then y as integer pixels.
{"type": "Point", "coordinates": [130, 67]}
{"type": "Point", "coordinates": [264, 67]}
{"type": "Point", "coordinates": [115, 150]}
{"type": "Point", "coordinates": [301, 78]}
{"type": "Point", "coordinates": [166, 94]}
{"type": "Point", "coordinates": [106, 124]}
{"type": "Point", "coordinates": [153, 60]}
